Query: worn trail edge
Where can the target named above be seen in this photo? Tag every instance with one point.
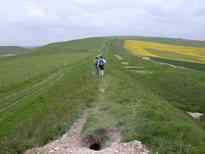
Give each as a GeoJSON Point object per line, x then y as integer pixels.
{"type": "Point", "coordinates": [70, 143]}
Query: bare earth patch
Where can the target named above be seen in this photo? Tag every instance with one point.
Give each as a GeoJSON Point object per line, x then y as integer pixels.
{"type": "Point", "coordinates": [118, 57]}
{"type": "Point", "coordinates": [124, 63]}
{"type": "Point", "coordinates": [195, 115]}
{"type": "Point", "coordinates": [170, 65]}
{"type": "Point", "coordinates": [102, 90]}
{"type": "Point", "coordinates": [7, 55]}
{"type": "Point", "coordinates": [73, 143]}
{"type": "Point", "coordinates": [142, 71]}
{"type": "Point", "coordinates": [146, 58]}
{"type": "Point", "coordinates": [133, 67]}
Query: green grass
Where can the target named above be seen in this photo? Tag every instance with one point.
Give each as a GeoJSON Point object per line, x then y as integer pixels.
{"type": "Point", "coordinates": [196, 66]}
{"type": "Point", "coordinates": [182, 87]}
{"type": "Point", "coordinates": [28, 68]}
{"type": "Point", "coordinates": [13, 50]}
{"type": "Point", "coordinates": [146, 107]}
{"type": "Point", "coordinates": [42, 93]}
{"type": "Point", "coordinates": [35, 120]}
{"type": "Point", "coordinates": [133, 104]}
{"type": "Point", "coordinates": [154, 112]}
{"type": "Point", "coordinates": [83, 44]}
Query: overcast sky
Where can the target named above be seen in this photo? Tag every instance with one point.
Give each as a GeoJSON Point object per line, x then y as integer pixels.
{"type": "Point", "coordinates": [37, 22]}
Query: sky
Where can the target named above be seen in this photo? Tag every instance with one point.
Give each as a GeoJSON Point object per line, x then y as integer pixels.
{"type": "Point", "coordinates": [38, 22]}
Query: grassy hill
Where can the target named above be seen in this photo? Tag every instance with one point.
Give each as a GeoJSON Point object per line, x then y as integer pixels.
{"type": "Point", "coordinates": [82, 44]}
{"type": "Point", "coordinates": [44, 92]}
{"type": "Point", "coordinates": [12, 50]}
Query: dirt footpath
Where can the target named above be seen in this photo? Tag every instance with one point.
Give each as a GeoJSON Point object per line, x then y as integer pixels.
{"type": "Point", "coordinates": [71, 143]}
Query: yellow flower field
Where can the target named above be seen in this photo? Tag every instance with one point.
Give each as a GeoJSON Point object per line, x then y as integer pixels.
{"type": "Point", "coordinates": [174, 52]}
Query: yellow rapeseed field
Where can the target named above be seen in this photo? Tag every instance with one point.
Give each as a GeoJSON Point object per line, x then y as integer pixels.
{"type": "Point", "coordinates": [175, 52]}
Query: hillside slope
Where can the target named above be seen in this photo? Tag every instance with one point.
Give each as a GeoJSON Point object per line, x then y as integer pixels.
{"type": "Point", "coordinates": [142, 99]}
{"type": "Point", "coordinates": [81, 44]}
{"type": "Point", "coordinates": [12, 50]}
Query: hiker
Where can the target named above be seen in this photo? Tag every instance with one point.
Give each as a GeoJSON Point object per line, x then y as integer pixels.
{"type": "Point", "coordinates": [101, 63]}
{"type": "Point", "coordinates": [96, 65]}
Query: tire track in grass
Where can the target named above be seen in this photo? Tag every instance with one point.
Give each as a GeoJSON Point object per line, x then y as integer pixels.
{"type": "Point", "coordinates": [16, 94]}
{"type": "Point", "coordinates": [30, 91]}
{"type": "Point", "coordinates": [136, 69]}
{"type": "Point", "coordinates": [34, 93]}
{"type": "Point", "coordinates": [22, 92]}
{"type": "Point", "coordinates": [118, 57]}
{"type": "Point", "coordinates": [39, 87]}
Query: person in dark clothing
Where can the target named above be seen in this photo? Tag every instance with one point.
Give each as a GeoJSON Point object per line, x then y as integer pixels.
{"type": "Point", "coordinates": [100, 65]}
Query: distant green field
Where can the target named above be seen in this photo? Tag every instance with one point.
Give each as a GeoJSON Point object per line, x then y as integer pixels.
{"type": "Point", "coordinates": [12, 50]}
{"type": "Point", "coordinates": [84, 44]}
{"type": "Point", "coordinates": [44, 92]}
{"type": "Point", "coordinates": [28, 68]}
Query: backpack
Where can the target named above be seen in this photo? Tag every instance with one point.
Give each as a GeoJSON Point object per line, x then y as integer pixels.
{"type": "Point", "coordinates": [101, 62]}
